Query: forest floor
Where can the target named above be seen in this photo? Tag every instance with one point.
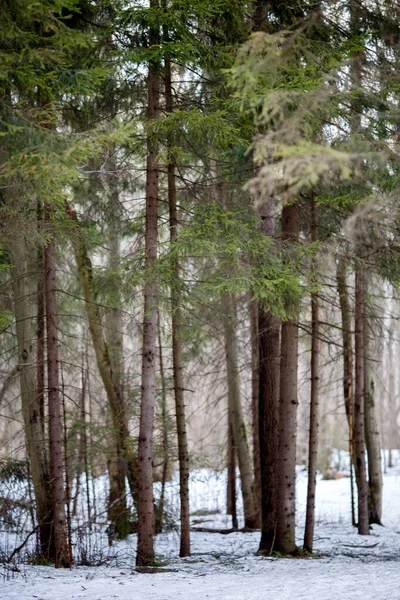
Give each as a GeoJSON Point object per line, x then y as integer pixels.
{"type": "Point", "coordinates": [346, 566]}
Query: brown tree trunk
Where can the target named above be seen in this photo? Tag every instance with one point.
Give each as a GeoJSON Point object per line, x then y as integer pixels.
{"type": "Point", "coordinates": [40, 347]}
{"type": "Point", "coordinates": [285, 533]}
{"type": "Point", "coordinates": [236, 412]}
{"type": "Point", "coordinates": [359, 432]}
{"type": "Point", "coordinates": [268, 402]}
{"type": "Point", "coordinates": [183, 452]}
{"type": "Point", "coordinates": [347, 367]}
{"type": "Point", "coordinates": [63, 554]}
{"type": "Point", "coordinates": [145, 547]}
{"type": "Point", "coordinates": [23, 283]}
{"type": "Point", "coordinates": [164, 428]}
{"type": "Point", "coordinates": [255, 391]}
{"type": "Point", "coordinates": [372, 438]}
{"type": "Point", "coordinates": [314, 403]}
{"type": "Point", "coordinates": [231, 508]}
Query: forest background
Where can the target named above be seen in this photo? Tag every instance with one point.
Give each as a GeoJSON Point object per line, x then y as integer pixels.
{"type": "Point", "coordinates": [199, 234]}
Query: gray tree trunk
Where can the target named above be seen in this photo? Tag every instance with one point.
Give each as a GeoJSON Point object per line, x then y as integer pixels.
{"type": "Point", "coordinates": [145, 547]}
{"type": "Point", "coordinates": [372, 438]}
{"type": "Point", "coordinates": [63, 552]}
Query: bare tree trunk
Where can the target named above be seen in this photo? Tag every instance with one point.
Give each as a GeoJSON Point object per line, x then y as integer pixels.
{"type": "Point", "coordinates": [268, 402]}
{"type": "Point", "coordinates": [24, 290]}
{"type": "Point", "coordinates": [183, 452]}
{"type": "Point", "coordinates": [372, 434]}
{"type": "Point", "coordinates": [285, 533]}
{"type": "Point", "coordinates": [82, 451]}
{"type": "Point", "coordinates": [145, 547]}
{"type": "Point", "coordinates": [40, 347]}
{"type": "Point", "coordinates": [164, 427]}
{"type": "Point", "coordinates": [231, 508]}
{"type": "Point", "coordinates": [255, 391]}
{"type": "Point", "coordinates": [66, 461]}
{"type": "Point", "coordinates": [314, 403]}
{"type": "Point", "coordinates": [63, 556]}
{"type": "Point", "coordinates": [236, 412]}
{"type": "Point", "coordinates": [347, 368]}
{"type": "Point", "coordinates": [359, 435]}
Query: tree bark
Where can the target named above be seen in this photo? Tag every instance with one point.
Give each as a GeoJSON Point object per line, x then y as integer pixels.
{"type": "Point", "coordinates": [236, 412]}
{"type": "Point", "coordinates": [145, 547]}
{"type": "Point", "coordinates": [285, 533]}
{"type": "Point", "coordinates": [165, 436]}
{"type": "Point", "coordinates": [255, 391]}
{"type": "Point", "coordinates": [347, 367]}
{"type": "Point", "coordinates": [314, 403]}
{"type": "Point", "coordinates": [24, 290]}
{"type": "Point", "coordinates": [183, 452]}
{"type": "Point", "coordinates": [40, 347]}
{"type": "Point", "coordinates": [372, 438]}
{"type": "Point", "coordinates": [359, 433]}
{"type": "Point", "coordinates": [231, 508]}
{"type": "Point", "coordinates": [63, 554]}
{"type": "Point", "coordinates": [268, 401]}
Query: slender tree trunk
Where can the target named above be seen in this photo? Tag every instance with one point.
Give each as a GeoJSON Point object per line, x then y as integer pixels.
{"type": "Point", "coordinates": [66, 460]}
{"type": "Point", "coordinates": [236, 412]}
{"type": "Point", "coordinates": [145, 547]}
{"type": "Point", "coordinates": [40, 347]}
{"type": "Point", "coordinates": [314, 404]}
{"type": "Point", "coordinates": [347, 368]}
{"type": "Point", "coordinates": [285, 533]}
{"type": "Point", "coordinates": [268, 402]}
{"type": "Point", "coordinates": [359, 434]}
{"type": "Point", "coordinates": [165, 440]}
{"type": "Point", "coordinates": [183, 452]}
{"type": "Point", "coordinates": [231, 508]}
{"type": "Point", "coordinates": [63, 556]}
{"type": "Point", "coordinates": [372, 439]}
{"type": "Point", "coordinates": [82, 451]}
{"type": "Point", "coordinates": [255, 392]}
{"type": "Point", "coordinates": [24, 290]}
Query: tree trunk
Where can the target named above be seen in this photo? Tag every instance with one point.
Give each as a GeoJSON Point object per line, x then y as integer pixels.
{"type": "Point", "coordinates": [372, 439]}
{"type": "Point", "coordinates": [359, 436]}
{"type": "Point", "coordinates": [24, 290]}
{"type": "Point", "coordinates": [231, 487]}
{"type": "Point", "coordinates": [314, 404]}
{"type": "Point", "coordinates": [63, 554]}
{"type": "Point", "coordinates": [268, 402]}
{"type": "Point", "coordinates": [347, 367]}
{"type": "Point", "coordinates": [165, 436]}
{"type": "Point", "coordinates": [236, 412]}
{"type": "Point", "coordinates": [40, 347]}
{"type": "Point", "coordinates": [145, 547]}
{"type": "Point", "coordinates": [285, 533]}
{"type": "Point", "coordinates": [183, 452]}
{"type": "Point", "coordinates": [255, 391]}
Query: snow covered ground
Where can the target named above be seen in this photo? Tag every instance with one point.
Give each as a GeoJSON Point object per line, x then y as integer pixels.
{"type": "Point", "coordinates": [224, 567]}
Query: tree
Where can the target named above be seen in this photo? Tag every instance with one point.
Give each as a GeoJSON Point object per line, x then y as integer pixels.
{"type": "Point", "coordinates": [145, 551]}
